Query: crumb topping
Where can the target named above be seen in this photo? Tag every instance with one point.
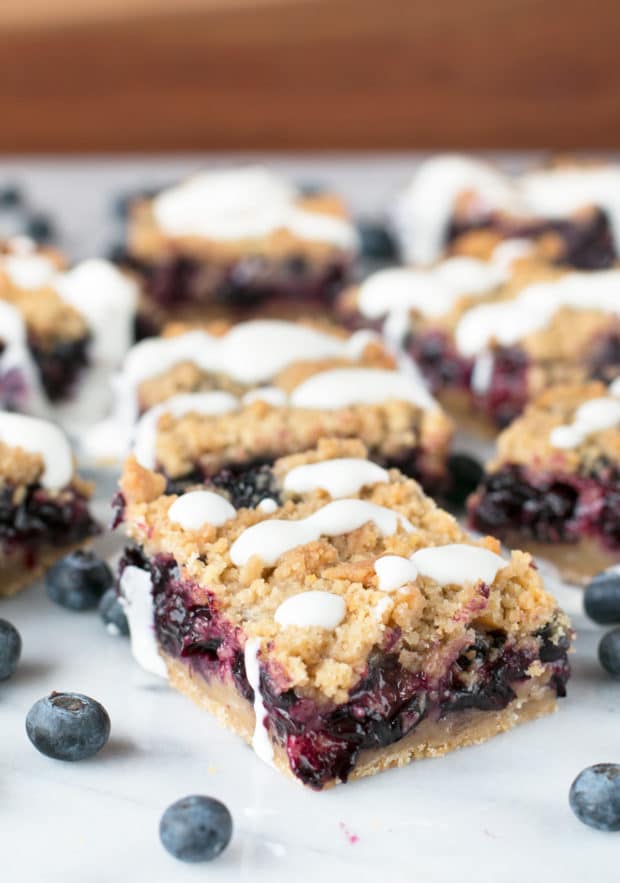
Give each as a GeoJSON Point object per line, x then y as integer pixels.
{"type": "Point", "coordinates": [49, 319]}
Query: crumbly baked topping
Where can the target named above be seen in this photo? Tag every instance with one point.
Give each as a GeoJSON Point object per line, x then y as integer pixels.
{"type": "Point", "coordinates": [49, 319]}
{"type": "Point", "coordinates": [148, 242]}
{"type": "Point", "coordinates": [20, 468]}
{"type": "Point", "coordinates": [527, 441]}
{"type": "Point", "coordinates": [427, 623]}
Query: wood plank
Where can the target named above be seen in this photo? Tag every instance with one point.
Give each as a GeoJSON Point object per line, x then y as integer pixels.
{"type": "Point", "coordinates": [317, 74]}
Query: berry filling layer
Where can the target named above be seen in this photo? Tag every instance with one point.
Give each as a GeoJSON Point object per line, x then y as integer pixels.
{"type": "Point", "coordinates": [323, 742]}
{"type": "Point", "coordinates": [36, 518]}
{"type": "Point", "coordinates": [60, 366]}
{"type": "Point", "coordinates": [505, 391]}
{"type": "Point", "coordinates": [253, 281]}
{"type": "Point", "coordinates": [550, 507]}
{"type": "Point", "coordinates": [587, 244]}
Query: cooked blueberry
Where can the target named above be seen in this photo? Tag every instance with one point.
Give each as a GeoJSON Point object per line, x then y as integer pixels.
{"type": "Point", "coordinates": [10, 196]}
{"type": "Point", "coordinates": [609, 652]}
{"type": "Point", "coordinates": [68, 726]}
{"type": "Point", "coordinates": [78, 581]}
{"type": "Point", "coordinates": [601, 598]}
{"type": "Point", "coordinates": [376, 241]}
{"type": "Point", "coordinates": [196, 828]}
{"type": "Point", "coordinates": [10, 649]}
{"type": "Point", "coordinates": [247, 485]}
{"type": "Point", "coordinates": [595, 796]}
{"type": "Point", "coordinates": [465, 476]}
{"type": "Point", "coordinates": [112, 613]}
{"type": "Point", "coordinates": [40, 228]}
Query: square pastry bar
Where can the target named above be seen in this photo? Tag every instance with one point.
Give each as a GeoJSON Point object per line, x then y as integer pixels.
{"type": "Point", "coordinates": [568, 211]}
{"type": "Point", "coordinates": [44, 504]}
{"type": "Point", "coordinates": [490, 335]}
{"type": "Point", "coordinates": [554, 485]}
{"type": "Point", "coordinates": [347, 627]}
{"type": "Point", "coordinates": [217, 407]}
{"type": "Point", "coordinates": [57, 324]}
{"type": "Point", "coordinates": [239, 239]}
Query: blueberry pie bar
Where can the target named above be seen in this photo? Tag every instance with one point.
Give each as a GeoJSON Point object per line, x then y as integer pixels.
{"type": "Point", "coordinates": [348, 626]}
{"type": "Point", "coordinates": [554, 485]}
{"type": "Point", "coordinates": [238, 239]}
{"type": "Point", "coordinates": [490, 335]}
{"type": "Point", "coordinates": [214, 405]}
{"type": "Point", "coordinates": [569, 211]}
{"type": "Point", "coordinates": [44, 504]}
{"type": "Point", "coordinates": [54, 323]}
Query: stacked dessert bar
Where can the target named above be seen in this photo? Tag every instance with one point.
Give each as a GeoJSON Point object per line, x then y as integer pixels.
{"type": "Point", "coordinates": [343, 625]}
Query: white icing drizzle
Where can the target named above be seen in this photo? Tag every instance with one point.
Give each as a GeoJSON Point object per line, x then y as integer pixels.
{"type": "Point", "coordinates": [268, 506]}
{"type": "Point", "coordinates": [533, 308]}
{"type": "Point", "coordinates": [458, 563]}
{"type": "Point", "coordinates": [594, 415]}
{"type": "Point", "coordinates": [197, 508]}
{"type": "Point", "coordinates": [510, 250]}
{"type": "Point", "coordinates": [245, 203]}
{"type": "Point", "coordinates": [28, 270]}
{"type": "Point", "coordinates": [268, 540]}
{"type": "Point", "coordinates": [482, 373]}
{"type": "Point", "coordinates": [561, 191]}
{"type": "Point", "coordinates": [145, 436]}
{"type": "Point", "coordinates": [394, 571]}
{"type": "Point", "coordinates": [432, 292]}
{"type": "Point", "coordinates": [382, 607]}
{"type": "Point", "coordinates": [136, 599]}
{"type": "Point", "coordinates": [312, 609]}
{"type": "Point", "coordinates": [107, 299]}
{"type": "Point", "coordinates": [261, 743]}
{"type": "Point", "coordinates": [614, 387]}
{"type": "Point", "coordinates": [251, 352]}
{"type": "Point", "coordinates": [342, 477]}
{"type": "Point", "coordinates": [40, 437]}
{"type": "Point", "coordinates": [342, 387]}
{"type": "Point", "coordinates": [428, 204]}
{"type": "Point", "coordinates": [12, 327]}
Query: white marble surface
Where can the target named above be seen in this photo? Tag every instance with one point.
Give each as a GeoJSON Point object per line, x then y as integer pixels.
{"type": "Point", "coordinates": [497, 813]}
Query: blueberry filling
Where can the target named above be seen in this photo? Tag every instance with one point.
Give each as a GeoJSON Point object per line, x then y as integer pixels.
{"type": "Point", "coordinates": [323, 742]}
{"type": "Point", "coordinates": [587, 243]}
{"type": "Point", "coordinates": [60, 365]}
{"type": "Point", "coordinates": [548, 507]}
{"type": "Point", "coordinates": [41, 519]}
{"type": "Point", "coordinates": [605, 358]}
{"type": "Point", "coordinates": [444, 368]}
{"type": "Point", "coordinates": [13, 388]}
{"type": "Point", "coordinates": [179, 281]}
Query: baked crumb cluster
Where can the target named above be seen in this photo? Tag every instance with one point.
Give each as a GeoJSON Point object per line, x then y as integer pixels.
{"type": "Point", "coordinates": [423, 622]}
{"type": "Point", "coordinates": [529, 441]}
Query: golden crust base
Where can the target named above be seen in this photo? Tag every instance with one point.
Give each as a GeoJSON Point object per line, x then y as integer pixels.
{"type": "Point", "coordinates": [577, 562]}
{"type": "Point", "coordinates": [430, 739]}
{"type": "Point", "coordinates": [15, 575]}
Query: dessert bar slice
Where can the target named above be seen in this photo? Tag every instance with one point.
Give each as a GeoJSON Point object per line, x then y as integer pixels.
{"type": "Point", "coordinates": [215, 405]}
{"type": "Point", "coordinates": [347, 626]}
{"type": "Point", "coordinates": [56, 323]}
{"type": "Point", "coordinates": [568, 211]}
{"type": "Point", "coordinates": [238, 239]}
{"type": "Point", "coordinates": [490, 335]}
{"type": "Point", "coordinates": [554, 485]}
{"type": "Point", "coordinates": [44, 504]}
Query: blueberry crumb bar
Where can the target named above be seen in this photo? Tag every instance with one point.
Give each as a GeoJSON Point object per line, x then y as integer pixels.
{"type": "Point", "coordinates": [44, 504]}
{"type": "Point", "coordinates": [346, 625]}
{"type": "Point", "coordinates": [554, 484]}
{"type": "Point", "coordinates": [238, 239]}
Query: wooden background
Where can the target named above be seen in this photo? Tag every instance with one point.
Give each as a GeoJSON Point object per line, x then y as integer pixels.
{"type": "Point", "coordinates": [150, 75]}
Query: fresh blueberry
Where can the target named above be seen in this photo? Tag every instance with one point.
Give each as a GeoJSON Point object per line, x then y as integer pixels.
{"type": "Point", "coordinates": [595, 796]}
{"type": "Point", "coordinates": [376, 241]}
{"type": "Point", "coordinates": [609, 652]}
{"type": "Point", "coordinates": [465, 475]}
{"type": "Point", "coordinates": [196, 828]}
{"type": "Point", "coordinates": [68, 726]}
{"type": "Point", "coordinates": [10, 649]}
{"type": "Point", "coordinates": [601, 598]}
{"type": "Point", "coordinates": [40, 228]}
{"type": "Point", "coordinates": [78, 581]}
{"type": "Point", "coordinates": [10, 196]}
{"type": "Point", "coordinates": [112, 613]}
